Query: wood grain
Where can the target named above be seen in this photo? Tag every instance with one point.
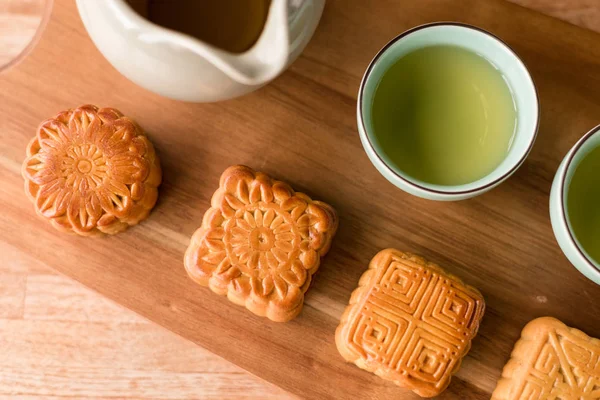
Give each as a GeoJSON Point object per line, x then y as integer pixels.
{"type": "Point", "coordinates": [512, 258]}
{"type": "Point", "coordinates": [583, 13]}
{"type": "Point", "coordinates": [61, 340]}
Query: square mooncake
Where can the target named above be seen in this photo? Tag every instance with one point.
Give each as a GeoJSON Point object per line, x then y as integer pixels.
{"type": "Point", "coordinates": [260, 243]}
{"type": "Point", "coordinates": [551, 361]}
{"type": "Point", "coordinates": [409, 322]}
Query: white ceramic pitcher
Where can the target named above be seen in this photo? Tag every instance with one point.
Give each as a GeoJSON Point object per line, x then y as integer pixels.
{"type": "Point", "coordinates": [181, 67]}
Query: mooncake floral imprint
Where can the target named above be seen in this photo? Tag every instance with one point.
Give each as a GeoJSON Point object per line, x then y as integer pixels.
{"type": "Point", "coordinates": [91, 171]}
{"type": "Point", "coordinates": [260, 243]}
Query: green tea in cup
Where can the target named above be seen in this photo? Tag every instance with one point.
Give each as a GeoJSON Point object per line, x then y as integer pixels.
{"type": "Point", "coordinates": [444, 115]}
{"type": "Point", "coordinates": [583, 204]}
{"type": "Point", "coordinates": [574, 200]}
{"type": "Point", "coordinates": [447, 111]}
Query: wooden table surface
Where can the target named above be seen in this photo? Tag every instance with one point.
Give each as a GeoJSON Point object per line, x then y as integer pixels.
{"type": "Point", "coordinates": [61, 340]}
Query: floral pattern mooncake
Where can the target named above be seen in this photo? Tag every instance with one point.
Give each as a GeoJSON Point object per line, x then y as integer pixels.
{"type": "Point", "coordinates": [260, 243]}
{"type": "Point", "coordinates": [91, 171]}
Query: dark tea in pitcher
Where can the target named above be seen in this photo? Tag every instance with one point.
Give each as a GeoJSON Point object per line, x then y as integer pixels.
{"type": "Point", "coordinates": [231, 25]}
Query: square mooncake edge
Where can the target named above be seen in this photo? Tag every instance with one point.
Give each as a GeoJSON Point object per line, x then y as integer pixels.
{"type": "Point", "coordinates": [524, 350]}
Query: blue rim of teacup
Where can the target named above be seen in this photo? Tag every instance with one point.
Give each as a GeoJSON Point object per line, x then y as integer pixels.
{"type": "Point", "coordinates": [416, 185]}
{"type": "Point", "coordinates": [563, 195]}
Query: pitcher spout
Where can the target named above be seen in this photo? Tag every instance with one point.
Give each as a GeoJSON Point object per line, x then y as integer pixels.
{"type": "Point", "coordinates": [179, 65]}
{"type": "Point", "coordinates": [268, 57]}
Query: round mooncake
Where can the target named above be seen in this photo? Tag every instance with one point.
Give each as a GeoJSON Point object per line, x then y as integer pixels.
{"type": "Point", "coordinates": [91, 171]}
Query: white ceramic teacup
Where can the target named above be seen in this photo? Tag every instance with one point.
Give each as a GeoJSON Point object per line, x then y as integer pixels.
{"type": "Point", "coordinates": [558, 212]}
{"type": "Point", "coordinates": [494, 50]}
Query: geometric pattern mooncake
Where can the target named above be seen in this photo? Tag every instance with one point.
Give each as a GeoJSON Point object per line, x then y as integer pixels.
{"type": "Point", "coordinates": [409, 322]}
{"type": "Point", "coordinates": [260, 243]}
{"type": "Point", "coordinates": [91, 171]}
{"type": "Point", "coordinates": [551, 361]}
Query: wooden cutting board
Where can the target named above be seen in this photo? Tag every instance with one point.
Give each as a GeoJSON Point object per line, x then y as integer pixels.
{"type": "Point", "coordinates": [302, 128]}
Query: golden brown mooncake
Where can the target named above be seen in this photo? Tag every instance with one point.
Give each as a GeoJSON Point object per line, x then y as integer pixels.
{"type": "Point", "coordinates": [551, 361]}
{"type": "Point", "coordinates": [260, 242]}
{"type": "Point", "coordinates": [409, 322]}
{"type": "Point", "coordinates": [91, 171]}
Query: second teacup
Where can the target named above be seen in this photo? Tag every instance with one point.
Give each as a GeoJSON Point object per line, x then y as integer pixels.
{"type": "Point", "coordinates": [573, 205]}
{"type": "Point", "coordinates": [447, 111]}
